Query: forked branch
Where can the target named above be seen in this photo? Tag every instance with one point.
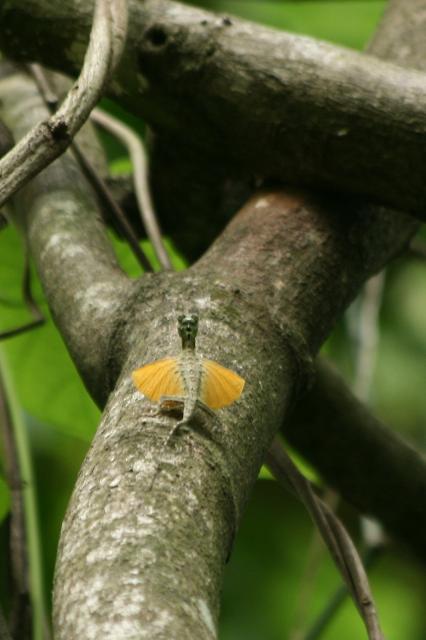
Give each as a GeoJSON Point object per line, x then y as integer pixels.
{"type": "Point", "coordinates": [47, 140]}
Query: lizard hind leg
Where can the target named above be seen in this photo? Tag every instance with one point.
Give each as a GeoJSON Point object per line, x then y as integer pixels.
{"type": "Point", "coordinates": [178, 406]}
{"type": "Point", "coordinates": [174, 405]}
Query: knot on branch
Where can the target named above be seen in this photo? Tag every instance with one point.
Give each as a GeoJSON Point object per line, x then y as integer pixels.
{"type": "Point", "coordinates": [156, 36]}
{"type": "Point", "coordinates": [59, 129]}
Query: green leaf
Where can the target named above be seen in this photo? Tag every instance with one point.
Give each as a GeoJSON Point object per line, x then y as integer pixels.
{"type": "Point", "coordinates": [47, 384]}
{"type": "Point", "coordinates": [121, 166]}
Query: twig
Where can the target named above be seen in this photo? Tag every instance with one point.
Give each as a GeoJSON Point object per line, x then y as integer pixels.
{"type": "Point", "coordinates": [47, 140]}
{"type": "Point", "coordinates": [30, 303]}
{"type": "Point", "coordinates": [50, 97]}
{"type": "Point", "coordinates": [370, 557]}
{"type": "Point", "coordinates": [140, 172]}
{"type": "Point", "coordinates": [109, 201]}
{"type": "Point", "coordinates": [365, 333]}
{"type": "Point", "coordinates": [364, 330]}
{"type": "Point", "coordinates": [334, 534]}
{"type": "Point", "coordinates": [30, 570]}
{"type": "Point", "coordinates": [22, 328]}
{"type": "Point", "coordinates": [100, 186]}
{"type": "Point", "coordinates": [21, 611]}
{"type": "Point", "coordinates": [314, 557]}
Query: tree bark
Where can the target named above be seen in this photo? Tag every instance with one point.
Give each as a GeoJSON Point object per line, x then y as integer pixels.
{"type": "Point", "coordinates": [320, 115]}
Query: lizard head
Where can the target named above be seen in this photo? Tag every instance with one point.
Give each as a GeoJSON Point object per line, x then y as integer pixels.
{"type": "Point", "coordinates": [188, 328]}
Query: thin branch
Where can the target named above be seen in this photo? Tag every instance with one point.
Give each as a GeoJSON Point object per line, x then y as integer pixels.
{"type": "Point", "coordinates": [98, 183]}
{"type": "Point", "coordinates": [49, 139]}
{"type": "Point", "coordinates": [23, 328]}
{"type": "Point", "coordinates": [112, 205]}
{"type": "Point", "coordinates": [374, 548]}
{"type": "Point", "coordinates": [21, 616]}
{"type": "Point", "coordinates": [362, 318]}
{"type": "Point", "coordinates": [334, 535]}
{"type": "Point", "coordinates": [30, 611]}
{"type": "Point", "coordinates": [48, 92]}
{"type": "Point", "coordinates": [139, 159]}
{"type": "Point", "coordinates": [326, 616]}
{"type": "Point", "coordinates": [29, 302]}
{"type": "Point", "coordinates": [306, 589]}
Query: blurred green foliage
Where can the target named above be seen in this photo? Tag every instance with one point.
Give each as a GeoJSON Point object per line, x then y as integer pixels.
{"type": "Point", "coordinates": [263, 578]}
{"type": "Point", "coordinates": [346, 22]}
{"type": "Point", "coordinates": [4, 499]}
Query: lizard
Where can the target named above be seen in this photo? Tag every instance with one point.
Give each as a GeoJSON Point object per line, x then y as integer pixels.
{"type": "Point", "coordinates": [188, 378]}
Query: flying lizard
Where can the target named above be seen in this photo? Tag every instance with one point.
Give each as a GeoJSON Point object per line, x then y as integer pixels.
{"type": "Point", "coordinates": [188, 378]}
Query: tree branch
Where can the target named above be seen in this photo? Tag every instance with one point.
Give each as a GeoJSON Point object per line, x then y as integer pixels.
{"type": "Point", "coordinates": [45, 83]}
{"type": "Point", "coordinates": [264, 328]}
{"type": "Point", "coordinates": [21, 609]}
{"type": "Point", "coordinates": [327, 117]}
{"type": "Point", "coordinates": [139, 160]}
{"type": "Point", "coordinates": [48, 139]}
{"type": "Point", "coordinates": [58, 215]}
{"type": "Point", "coordinates": [370, 465]}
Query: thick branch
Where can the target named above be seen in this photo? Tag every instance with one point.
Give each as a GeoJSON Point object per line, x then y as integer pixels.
{"type": "Point", "coordinates": [326, 117]}
{"type": "Point", "coordinates": [59, 217]}
{"type": "Point", "coordinates": [261, 326]}
{"type": "Point", "coordinates": [370, 465]}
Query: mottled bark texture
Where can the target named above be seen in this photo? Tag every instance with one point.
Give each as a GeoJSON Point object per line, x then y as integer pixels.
{"type": "Point", "coordinates": [139, 562]}
{"type": "Point", "coordinates": [327, 117]}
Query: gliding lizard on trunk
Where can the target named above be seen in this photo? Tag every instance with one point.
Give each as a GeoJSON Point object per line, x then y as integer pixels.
{"type": "Point", "coordinates": [188, 378]}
